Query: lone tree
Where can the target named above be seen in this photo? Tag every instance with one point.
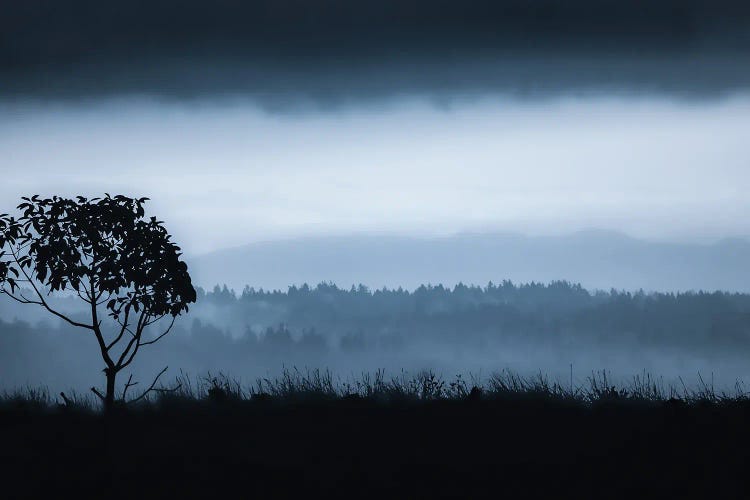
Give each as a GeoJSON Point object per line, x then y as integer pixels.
{"type": "Point", "coordinates": [118, 262]}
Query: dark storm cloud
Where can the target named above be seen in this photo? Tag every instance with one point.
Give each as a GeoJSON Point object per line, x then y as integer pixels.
{"type": "Point", "coordinates": [334, 50]}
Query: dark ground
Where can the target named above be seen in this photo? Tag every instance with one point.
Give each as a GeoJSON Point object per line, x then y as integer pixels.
{"type": "Point", "coordinates": [360, 448]}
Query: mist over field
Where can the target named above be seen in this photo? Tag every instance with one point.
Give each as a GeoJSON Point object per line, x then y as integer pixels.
{"type": "Point", "coordinates": [689, 338]}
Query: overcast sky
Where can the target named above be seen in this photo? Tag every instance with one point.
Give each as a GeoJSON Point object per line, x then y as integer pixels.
{"type": "Point", "coordinates": [224, 173]}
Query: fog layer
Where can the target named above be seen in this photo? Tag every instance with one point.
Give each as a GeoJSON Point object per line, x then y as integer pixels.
{"type": "Point", "coordinates": [227, 174]}
{"type": "Point", "coordinates": [461, 330]}
{"type": "Point", "coordinates": [597, 259]}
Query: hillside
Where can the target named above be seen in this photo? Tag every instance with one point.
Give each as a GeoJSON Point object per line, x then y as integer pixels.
{"type": "Point", "coordinates": [596, 259]}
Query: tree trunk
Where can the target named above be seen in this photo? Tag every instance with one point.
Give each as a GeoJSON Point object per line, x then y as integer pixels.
{"type": "Point", "coordinates": [109, 396]}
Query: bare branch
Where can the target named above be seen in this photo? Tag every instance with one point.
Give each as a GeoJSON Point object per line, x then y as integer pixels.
{"type": "Point", "coordinates": [171, 324]}
{"type": "Point", "coordinates": [22, 300]}
{"type": "Point", "coordinates": [85, 289]}
{"type": "Point", "coordinates": [123, 329]}
{"type": "Point", "coordinates": [134, 343]}
{"type": "Point", "coordinates": [65, 398]}
{"type": "Point", "coordinates": [95, 391]}
{"type": "Point", "coordinates": [151, 387]}
{"type": "Point", "coordinates": [82, 297]}
{"type": "Point", "coordinates": [28, 299]}
{"type": "Point", "coordinates": [156, 318]}
{"type": "Point", "coordinates": [97, 329]}
{"type": "Point", "coordinates": [100, 302]}
{"type": "Point", "coordinates": [139, 344]}
{"type": "Point", "coordinates": [128, 385]}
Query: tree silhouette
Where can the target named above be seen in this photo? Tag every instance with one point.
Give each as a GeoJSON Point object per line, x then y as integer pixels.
{"type": "Point", "coordinates": [105, 251]}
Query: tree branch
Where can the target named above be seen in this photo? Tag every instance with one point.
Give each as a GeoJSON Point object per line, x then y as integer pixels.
{"type": "Point", "coordinates": [95, 391]}
{"type": "Point", "coordinates": [82, 297]}
{"type": "Point", "coordinates": [133, 342]}
{"type": "Point", "coordinates": [171, 324]}
{"type": "Point", "coordinates": [151, 387]}
{"type": "Point", "coordinates": [43, 302]}
{"type": "Point", "coordinates": [151, 322]}
{"type": "Point", "coordinates": [139, 344]}
{"type": "Point", "coordinates": [100, 302]}
{"type": "Point", "coordinates": [65, 398]}
{"type": "Point", "coordinates": [128, 385]}
{"type": "Point", "coordinates": [22, 300]}
{"type": "Point", "coordinates": [98, 332]}
{"type": "Point", "coordinates": [123, 329]}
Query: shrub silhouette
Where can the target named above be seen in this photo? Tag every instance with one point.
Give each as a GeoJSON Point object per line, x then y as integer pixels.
{"type": "Point", "coordinates": [105, 251]}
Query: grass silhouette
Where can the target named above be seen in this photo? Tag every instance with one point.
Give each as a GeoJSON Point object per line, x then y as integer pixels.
{"type": "Point", "coordinates": [310, 433]}
{"type": "Point", "coordinates": [295, 386]}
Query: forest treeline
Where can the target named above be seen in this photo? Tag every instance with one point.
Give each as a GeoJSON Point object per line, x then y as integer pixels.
{"type": "Point", "coordinates": [308, 320]}
{"type": "Point", "coordinates": [548, 312]}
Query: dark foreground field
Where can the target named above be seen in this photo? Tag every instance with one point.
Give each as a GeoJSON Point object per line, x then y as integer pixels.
{"type": "Point", "coordinates": [437, 441]}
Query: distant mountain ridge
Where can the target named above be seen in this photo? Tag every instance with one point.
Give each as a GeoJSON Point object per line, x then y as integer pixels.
{"type": "Point", "coordinates": [597, 259]}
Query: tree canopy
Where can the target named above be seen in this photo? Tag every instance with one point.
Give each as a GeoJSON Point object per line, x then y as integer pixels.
{"type": "Point", "coordinates": [107, 252]}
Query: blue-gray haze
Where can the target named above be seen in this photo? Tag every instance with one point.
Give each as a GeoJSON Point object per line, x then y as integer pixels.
{"type": "Point", "coordinates": [395, 144]}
